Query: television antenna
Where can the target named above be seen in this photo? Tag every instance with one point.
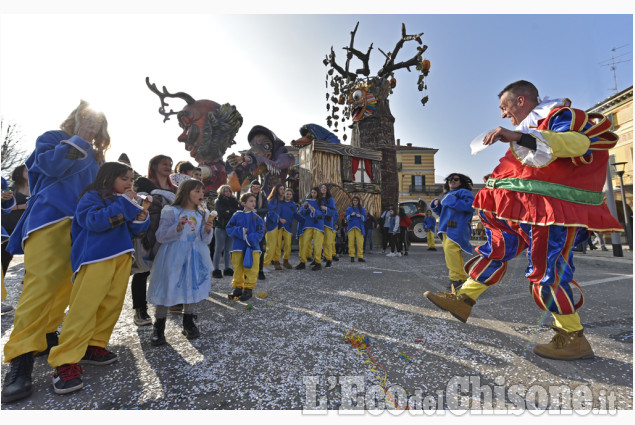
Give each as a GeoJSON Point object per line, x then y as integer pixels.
{"type": "Point", "coordinates": [611, 62]}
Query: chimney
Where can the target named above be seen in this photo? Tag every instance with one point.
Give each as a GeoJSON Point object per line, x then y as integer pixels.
{"type": "Point", "coordinates": [398, 142]}
{"type": "Point", "coordinates": [409, 145]}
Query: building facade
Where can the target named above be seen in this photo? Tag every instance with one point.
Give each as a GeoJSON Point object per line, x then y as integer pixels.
{"type": "Point", "coordinates": [619, 109]}
{"type": "Point", "coordinates": [415, 170]}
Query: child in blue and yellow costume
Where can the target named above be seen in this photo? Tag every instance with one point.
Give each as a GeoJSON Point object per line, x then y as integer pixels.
{"type": "Point", "coordinates": [299, 234]}
{"type": "Point", "coordinates": [272, 221]}
{"type": "Point", "coordinates": [106, 220]}
{"type": "Point", "coordinates": [59, 168]}
{"type": "Point", "coordinates": [330, 216]}
{"type": "Point", "coordinates": [356, 216]}
{"type": "Point", "coordinates": [313, 228]}
{"type": "Point", "coordinates": [247, 229]}
{"type": "Point", "coordinates": [288, 213]}
{"type": "Point", "coordinates": [455, 211]}
{"type": "Point", "coordinates": [430, 225]}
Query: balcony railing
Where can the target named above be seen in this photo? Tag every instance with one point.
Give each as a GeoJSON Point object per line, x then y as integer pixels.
{"type": "Point", "coordinates": [430, 189]}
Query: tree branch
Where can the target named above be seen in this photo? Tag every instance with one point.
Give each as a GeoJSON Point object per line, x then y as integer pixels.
{"type": "Point", "coordinates": [338, 68]}
{"type": "Point", "coordinates": [389, 65]}
{"type": "Point", "coordinates": [350, 52]}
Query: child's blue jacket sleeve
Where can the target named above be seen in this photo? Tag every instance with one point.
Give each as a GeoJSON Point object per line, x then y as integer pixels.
{"type": "Point", "coordinates": [93, 215]}
{"type": "Point", "coordinates": [460, 200]}
{"type": "Point", "coordinates": [54, 159]}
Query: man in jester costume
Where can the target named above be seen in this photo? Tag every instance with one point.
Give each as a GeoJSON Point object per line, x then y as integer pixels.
{"type": "Point", "coordinates": [544, 196]}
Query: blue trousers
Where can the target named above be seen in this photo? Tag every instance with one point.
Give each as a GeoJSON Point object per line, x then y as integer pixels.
{"type": "Point", "coordinates": [222, 248]}
{"type": "Point", "coordinates": [368, 239]}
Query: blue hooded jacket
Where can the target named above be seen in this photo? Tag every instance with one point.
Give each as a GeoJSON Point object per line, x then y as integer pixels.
{"type": "Point", "coordinates": [312, 220]}
{"type": "Point", "coordinates": [355, 222]}
{"type": "Point", "coordinates": [289, 212]}
{"type": "Point", "coordinates": [255, 231]}
{"type": "Point", "coordinates": [455, 216]}
{"type": "Point", "coordinates": [103, 228]}
{"type": "Point", "coordinates": [60, 168]}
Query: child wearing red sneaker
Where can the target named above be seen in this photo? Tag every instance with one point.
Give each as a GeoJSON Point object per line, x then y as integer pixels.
{"type": "Point", "coordinates": [106, 219]}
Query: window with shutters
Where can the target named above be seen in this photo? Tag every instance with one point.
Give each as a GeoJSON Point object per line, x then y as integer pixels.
{"type": "Point", "coordinates": [417, 184]}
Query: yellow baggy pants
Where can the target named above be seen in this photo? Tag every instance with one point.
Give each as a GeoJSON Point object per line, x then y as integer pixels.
{"type": "Point", "coordinates": [95, 305]}
{"type": "Point", "coordinates": [355, 239]}
{"type": "Point", "coordinates": [285, 241]}
{"type": "Point", "coordinates": [430, 239]}
{"type": "Point", "coordinates": [329, 243]}
{"type": "Point", "coordinates": [454, 260]}
{"type": "Point", "coordinates": [4, 290]}
{"type": "Point", "coordinates": [317, 237]}
{"type": "Point", "coordinates": [273, 240]}
{"type": "Point", "coordinates": [47, 289]}
{"type": "Point", "coordinates": [245, 278]}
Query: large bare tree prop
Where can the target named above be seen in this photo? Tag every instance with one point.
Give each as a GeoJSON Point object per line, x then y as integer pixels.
{"type": "Point", "coordinates": [363, 98]}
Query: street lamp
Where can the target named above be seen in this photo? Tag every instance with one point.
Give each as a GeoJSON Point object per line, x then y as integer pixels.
{"type": "Point", "coordinates": [619, 170]}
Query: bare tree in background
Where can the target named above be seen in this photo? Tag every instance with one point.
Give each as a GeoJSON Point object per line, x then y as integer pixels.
{"type": "Point", "coordinates": [13, 153]}
{"type": "Point", "coordinates": [364, 98]}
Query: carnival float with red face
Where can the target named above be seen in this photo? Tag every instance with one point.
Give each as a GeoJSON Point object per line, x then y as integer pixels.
{"type": "Point", "coordinates": [209, 129]}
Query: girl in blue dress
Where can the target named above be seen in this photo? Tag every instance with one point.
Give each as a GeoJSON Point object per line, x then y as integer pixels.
{"type": "Point", "coordinates": [182, 267]}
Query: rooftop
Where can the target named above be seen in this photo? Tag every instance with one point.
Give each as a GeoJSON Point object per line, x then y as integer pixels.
{"type": "Point", "coordinates": [409, 147]}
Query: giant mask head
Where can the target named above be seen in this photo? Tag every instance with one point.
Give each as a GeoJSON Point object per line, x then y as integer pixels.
{"type": "Point", "coordinates": [208, 127]}
{"type": "Point", "coordinates": [263, 142]}
{"type": "Point", "coordinates": [362, 101]}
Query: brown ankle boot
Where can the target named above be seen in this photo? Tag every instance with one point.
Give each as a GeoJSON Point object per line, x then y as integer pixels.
{"type": "Point", "coordinates": [276, 265]}
{"type": "Point", "coordinates": [565, 346]}
{"type": "Point", "coordinates": [287, 265]}
{"type": "Point", "coordinates": [459, 306]}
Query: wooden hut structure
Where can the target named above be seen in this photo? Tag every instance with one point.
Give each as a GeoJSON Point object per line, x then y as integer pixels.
{"type": "Point", "coordinates": [347, 170]}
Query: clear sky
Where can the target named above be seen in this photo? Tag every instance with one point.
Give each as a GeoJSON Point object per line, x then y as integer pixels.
{"type": "Point", "coordinates": [270, 67]}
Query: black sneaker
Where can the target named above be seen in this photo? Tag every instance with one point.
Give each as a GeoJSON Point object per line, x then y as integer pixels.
{"type": "Point", "coordinates": [247, 293]}
{"type": "Point", "coordinates": [405, 253]}
{"type": "Point", "coordinates": [98, 356]}
{"type": "Point", "coordinates": [237, 293]}
{"type": "Point", "coordinates": [352, 259]}
{"type": "Point", "coordinates": [310, 259]}
{"type": "Point", "coordinates": [217, 274]}
{"type": "Point", "coordinates": [228, 272]}
{"type": "Point", "coordinates": [17, 382]}
{"type": "Point", "coordinates": [328, 263]}
{"type": "Point", "coordinates": [361, 260]}
{"type": "Point", "coordinates": [300, 266]}
{"type": "Point", "coordinates": [316, 267]}
{"type": "Point", "coordinates": [313, 263]}
{"type": "Point", "coordinates": [52, 339]}
{"type": "Point", "coordinates": [67, 379]}
{"type": "Point", "coordinates": [336, 258]}
{"type": "Point", "coordinates": [261, 275]}
{"type": "Point", "coordinates": [141, 317]}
